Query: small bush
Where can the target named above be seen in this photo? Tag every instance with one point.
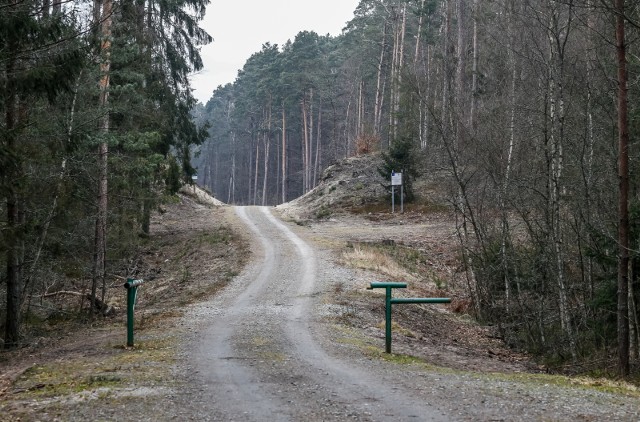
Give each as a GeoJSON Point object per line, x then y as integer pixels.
{"type": "Point", "coordinates": [367, 143]}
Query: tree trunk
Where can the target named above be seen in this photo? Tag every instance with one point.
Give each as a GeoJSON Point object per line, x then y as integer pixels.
{"type": "Point", "coordinates": [231, 197]}
{"type": "Point", "coordinates": [305, 145]}
{"type": "Point", "coordinates": [309, 150]}
{"type": "Point", "coordinates": [623, 206]}
{"type": "Point", "coordinates": [460, 72]}
{"type": "Point", "coordinates": [265, 169]}
{"type": "Point", "coordinates": [316, 166]}
{"type": "Point", "coordinates": [557, 42]}
{"type": "Point", "coordinates": [99, 254]}
{"type": "Point", "coordinates": [418, 35]}
{"type": "Point", "coordinates": [425, 101]}
{"type": "Point", "coordinates": [396, 72]}
{"type": "Point", "coordinates": [360, 116]}
{"type": "Point", "coordinates": [587, 159]}
{"type": "Point", "coordinates": [446, 64]}
{"type": "Point", "coordinates": [393, 79]}
{"type": "Point", "coordinates": [474, 71]}
{"type": "Point", "coordinates": [377, 113]}
{"type": "Point", "coordinates": [267, 140]}
{"type": "Point", "coordinates": [284, 156]}
{"type": "Point", "coordinates": [403, 31]}
{"type": "Point", "coordinates": [507, 176]}
{"type": "Point", "coordinates": [255, 175]}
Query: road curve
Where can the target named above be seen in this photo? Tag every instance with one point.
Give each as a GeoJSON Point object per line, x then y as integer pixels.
{"type": "Point", "coordinates": [257, 359]}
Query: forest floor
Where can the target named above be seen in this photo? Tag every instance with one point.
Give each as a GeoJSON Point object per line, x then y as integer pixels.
{"type": "Point", "coordinates": [197, 247]}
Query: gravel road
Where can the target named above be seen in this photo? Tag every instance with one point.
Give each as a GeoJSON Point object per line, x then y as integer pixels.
{"type": "Point", "coordinates": [263, 350]}
{"type": "Point", "coordinates": [258, 359]}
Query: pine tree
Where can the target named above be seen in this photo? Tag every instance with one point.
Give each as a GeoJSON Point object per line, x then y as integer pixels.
{"type": "Point", "coordinates": [33, 69]}
{"type": "Point", "coordinates": [401, 158]}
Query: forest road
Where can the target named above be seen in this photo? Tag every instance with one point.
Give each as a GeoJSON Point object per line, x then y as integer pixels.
{"type": "Point", "coordinates": [257, 359]}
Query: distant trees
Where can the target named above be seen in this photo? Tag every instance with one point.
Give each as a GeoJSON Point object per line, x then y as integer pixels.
{"type": "Point", "coordinates": [90, 99]}
{"type": "Point", "coordinates": [516, 100]}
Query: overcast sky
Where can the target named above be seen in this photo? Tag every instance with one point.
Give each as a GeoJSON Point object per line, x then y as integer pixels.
{"type": "Point", "coordinates": [240, 27]}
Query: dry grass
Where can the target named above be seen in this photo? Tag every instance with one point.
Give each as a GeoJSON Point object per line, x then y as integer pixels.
{"type": "Point", "coordinates": [374, 259]}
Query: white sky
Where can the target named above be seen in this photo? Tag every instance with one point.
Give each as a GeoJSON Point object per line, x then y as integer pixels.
{"type": "Point", "coordinates": [240, 27]}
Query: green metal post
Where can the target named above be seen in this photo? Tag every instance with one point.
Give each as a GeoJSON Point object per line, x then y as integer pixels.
{"type": "Point", "coordinates": [388, 285]}
{"type": "Point", "coordinates": [132, 291]}
{"type": "Point", "coordinates": [131, 300]}
{"type": "Point", "coordinates": [387, 323]}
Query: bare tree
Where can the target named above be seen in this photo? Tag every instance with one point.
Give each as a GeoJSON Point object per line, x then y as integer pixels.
{"type": "Point", "coordinates": [623, 205]}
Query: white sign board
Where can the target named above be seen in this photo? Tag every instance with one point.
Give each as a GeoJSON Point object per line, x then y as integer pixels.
{"type": "Point", "coordinates": [396, 179]}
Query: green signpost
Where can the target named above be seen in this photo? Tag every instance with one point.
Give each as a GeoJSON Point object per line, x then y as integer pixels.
{"type": "Point", "coordinates": [389, 300]}
{"type": "Point", "coordinates": [132, 291]}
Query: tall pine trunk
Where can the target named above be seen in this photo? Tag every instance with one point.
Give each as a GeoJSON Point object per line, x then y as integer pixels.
{"type": "Point", "coordinates": [316, 166]}
{"type": "Point", "coordinates": [267, 141]}
{"type": "Point", "coordinates": [99, 254]}
{"type": "Point", "coordinates": [255, 172]}
{"type": "Point", "coordinates": [284, 156]}
{"type": "Point", "coordinates": [305, 145]}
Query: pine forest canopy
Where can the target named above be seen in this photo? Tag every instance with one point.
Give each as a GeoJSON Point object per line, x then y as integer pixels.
{"type": "Point", "coordinates": [96, 128]}
{"type": "Point", "coordinates": [515, 100]}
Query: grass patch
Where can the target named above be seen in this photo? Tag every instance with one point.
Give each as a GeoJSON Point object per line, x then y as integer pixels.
{"type": "Point", "coordinates": [588, 383]}
{"type": "Point", "coordinates": [352, 337]}
{"type": "Point", "coordinates": [220, 235]}
{"type": "Point", "coordinates": [393, 261]}
{"type": "Point", "coordinates": [61, 379]}
{"type": "Point", "coordinates": [145, 362]}
{"type": "Point", "coordinates": [376, 259]}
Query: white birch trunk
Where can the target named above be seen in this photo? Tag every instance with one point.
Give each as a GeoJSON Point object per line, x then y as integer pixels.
{"type": "Point", "coordinates": [445, 71]}
{"type": "Point", "coordinates": [474, 71]}
{"type": "Point", "coordinates": [377, 113]}
{"type": "Point", "coordinates": [556, 115]}
{"type": "Point", "coordinates": [418, 36]}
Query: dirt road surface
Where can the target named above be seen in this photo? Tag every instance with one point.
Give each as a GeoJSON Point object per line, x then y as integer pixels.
{"type": "Point", "coordinates": [265, 350]}
{"type": "Point", "coordinates": [258, 360]}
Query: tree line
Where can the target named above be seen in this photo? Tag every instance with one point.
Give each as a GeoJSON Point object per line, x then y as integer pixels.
{"type": "Point", "coordinates": [95, 130]}
{"type": "Point", "coordinates": [524, 105]}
